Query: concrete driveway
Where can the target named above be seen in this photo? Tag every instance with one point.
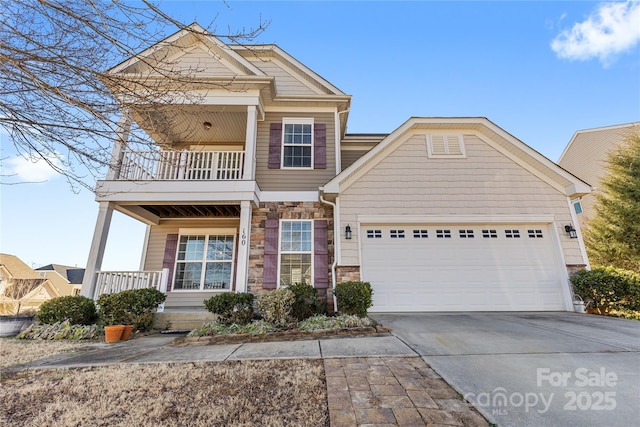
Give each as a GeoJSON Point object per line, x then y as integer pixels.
{"type": "Point", "coordinates": [533, 369]}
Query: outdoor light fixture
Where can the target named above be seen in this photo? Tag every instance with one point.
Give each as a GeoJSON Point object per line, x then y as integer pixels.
{"type": "Point", "coordinates": [347, 232]}
{"type": "Point", "coordinates": [207, 125]}
{"type": "Point", "coordinates": [572, 231]}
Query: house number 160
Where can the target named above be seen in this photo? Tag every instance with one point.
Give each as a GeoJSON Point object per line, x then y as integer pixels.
{"type": "Point", "coordinates": [243, 237]}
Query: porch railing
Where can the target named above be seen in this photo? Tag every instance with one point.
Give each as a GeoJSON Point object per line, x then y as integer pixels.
{"type": "Point", "coordinates": [181, 165]}
{"type": "Point", "coordinates": [111, 282]}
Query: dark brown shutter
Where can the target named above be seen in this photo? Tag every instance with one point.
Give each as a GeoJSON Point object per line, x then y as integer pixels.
{"type": "Point", "coordinates": [169, 260]}
{"type": "Point", "coordinates": [270, 271]}
{"type": "Point", "coordinates": [275, 145]}
{"type": "Point", "coordinates": [320, 254]}
{"type": "Point", "coordinates": [320, 146]}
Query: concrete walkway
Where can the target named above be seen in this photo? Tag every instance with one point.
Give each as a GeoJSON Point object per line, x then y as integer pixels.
{"type": "Point", "coordinates": [371, 380]}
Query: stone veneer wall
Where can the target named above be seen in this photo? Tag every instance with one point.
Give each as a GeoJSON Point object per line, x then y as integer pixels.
{"type": "Point", "coordinates": [285, 210]}
{"type": "Point", "coordinates": [347, 273]}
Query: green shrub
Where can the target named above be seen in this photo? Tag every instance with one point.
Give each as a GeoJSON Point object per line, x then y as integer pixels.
{"type": "Point", "coordinates": [60, 331]}
{"type": "Point", "coordinates": [232, 307]}
{"type": "Point", "coordinates": [78, 310]}
{"type": "Point", "coordinates": [306, 302]}
{"type": "Point", "coordinates": [354, 297]}
{"type": "Point", "coordinates": [276, 305]}
{"type": "Point", "coordinates": [132, 307]}
{"type": "Point", "coordinates": [609, 288]}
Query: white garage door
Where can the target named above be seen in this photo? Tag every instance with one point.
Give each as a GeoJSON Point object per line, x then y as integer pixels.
{"type": "Point", "coordinates": [461, 268]}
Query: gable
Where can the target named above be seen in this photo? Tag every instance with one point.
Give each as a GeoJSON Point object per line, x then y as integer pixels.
{"type": "Point", "coordinates": [483, 130]}
{"type": "Point", "coordinates": [180, 51]}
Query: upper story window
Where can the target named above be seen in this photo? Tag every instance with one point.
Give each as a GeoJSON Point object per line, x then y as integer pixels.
{"type": "Point", "coordinates": [445, 146]}
{"type": "Point", "coordinates": [297, 143]}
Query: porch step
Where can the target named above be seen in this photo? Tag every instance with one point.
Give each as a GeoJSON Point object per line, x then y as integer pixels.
{"type": "Point", "coordinates": [183, 318]}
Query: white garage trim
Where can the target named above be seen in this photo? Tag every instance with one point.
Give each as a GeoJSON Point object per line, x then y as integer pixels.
{"type": "Point", "coordinates": [454, 219]}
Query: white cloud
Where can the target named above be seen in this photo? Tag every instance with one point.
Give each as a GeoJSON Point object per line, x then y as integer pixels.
{"type": "Point", "coordinates": [613, 28]}
{"type": "Point", "coordinates": [26, 169]}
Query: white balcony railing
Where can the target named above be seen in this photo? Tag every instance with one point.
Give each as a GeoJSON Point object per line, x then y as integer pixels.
{"type": "Point", "coordinates": [181, 165]}
{"type": "Point", "coordinates": [111, 282]}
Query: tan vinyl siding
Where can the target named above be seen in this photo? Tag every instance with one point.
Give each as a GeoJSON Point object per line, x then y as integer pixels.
{"type": "Point", "coordinates": [201, 62]}
{"type": "Point", "coordinates": [293, 180]}
{"type": "Point", "coordinates": [286, 83]}
{"type": "Point", "coordinates": [485, 183]}
{"type": "Point", "coordinates": [347, 157]}
{"type": "Point", "coordinates": [586, 158]}
{"type": "Point", "coordinates": [188, 299]}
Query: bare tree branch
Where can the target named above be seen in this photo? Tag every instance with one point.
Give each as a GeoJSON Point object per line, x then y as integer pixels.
{"type": "Point", "coordinates": [57, 99]}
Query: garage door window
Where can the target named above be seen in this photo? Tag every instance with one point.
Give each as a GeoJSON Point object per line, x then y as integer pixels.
{"type": "Point", "coordinates": [535, 234]}
{"type": "Point", "coordinates": [443, 234]}
{"type": "Point", "coordinates": [489, 234]}
{"type": "Point", "coordinates": [466, 234]}
{"type": "Point", "coordinates": [420, 234]}
{"type": "Point", "coordinates": [396, 234]}
{"type": "Point", "coordinates": [374, 234]}
{"type": "Point", "coordinates": [512, 234]}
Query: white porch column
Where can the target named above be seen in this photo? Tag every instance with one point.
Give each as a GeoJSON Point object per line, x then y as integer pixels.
{"type": "Point", "coordinates": [242, 274]}
{"type": "Point", "coordinates": [117, 154]}
{"type": "Point", "coordinates": [96, 253]}
{"type": "Point", "coordinates": [249, 171]}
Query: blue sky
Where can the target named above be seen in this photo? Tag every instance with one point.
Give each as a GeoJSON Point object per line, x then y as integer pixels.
{"type": "Point", "coordinates": [540, 70]}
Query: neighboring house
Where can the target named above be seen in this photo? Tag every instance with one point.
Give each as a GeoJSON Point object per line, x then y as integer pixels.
{"type": "Point", "coordinates": [586, 157]}
{"type": "Point", "coordinates": [66, 279]}
{"type": "Point", "coordinates": [34, 288]}
{"type": "Point", "coordinates": [257, 185]}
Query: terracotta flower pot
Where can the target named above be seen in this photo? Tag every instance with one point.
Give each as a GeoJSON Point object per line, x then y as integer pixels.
{"type": "Point", "coordinates": [113, 333]}
{"type": "Point", "coordinates": [126, 332]}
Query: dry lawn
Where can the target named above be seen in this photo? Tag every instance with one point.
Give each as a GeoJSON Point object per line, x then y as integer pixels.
{"type": "Point", "coordinates": [242, 393]}
{"type": "Point", "coordinates": [16, 352]}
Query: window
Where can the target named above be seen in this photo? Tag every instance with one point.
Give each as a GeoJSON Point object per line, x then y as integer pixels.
{"type": "Point", "coordinates": [512, 234]}
{"type": "Point", "coordinates": [466, 234]}
{"type": "Point", "coordinates": [420, 234]}
{"type": "Point", "coordinates": [204, 262]}
{"type": "Point", "coordinates": [374, 234]}
{"type": "Point", "coordinates": [489, 234]}
{"type": "Point", "coordinates": [535, 234]}
{"type": "Point", "coordinates": [446, 146]}
{"type": "Point", "coordinates": [297, 143]}
{"type": "Point", "coordinates": [443, 234]}
{"type": "Point", "coordinates": [296, 244]}
{"type": "Point", "coordinates": [396, 234]}
{"type": "Point", "coordinates": [577, 205]}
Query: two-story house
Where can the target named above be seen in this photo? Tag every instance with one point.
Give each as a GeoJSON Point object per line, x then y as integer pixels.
{"type": "Point", "coordinates": [255, 184]}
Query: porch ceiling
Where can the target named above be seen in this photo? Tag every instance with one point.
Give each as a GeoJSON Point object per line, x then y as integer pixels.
{"type": "Point", "coordinates": [193, 211]}
{"type": "Point", "coordinates": [185, 123]}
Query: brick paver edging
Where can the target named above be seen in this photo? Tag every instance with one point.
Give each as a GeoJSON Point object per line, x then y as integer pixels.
{"type": "Point", "coordinates": [393, 391]}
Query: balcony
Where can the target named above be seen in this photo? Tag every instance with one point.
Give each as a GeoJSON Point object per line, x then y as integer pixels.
{"type": "Point", "coordinates": [178, 177]}
{"type": "Point", "coordinates": [181, 165]}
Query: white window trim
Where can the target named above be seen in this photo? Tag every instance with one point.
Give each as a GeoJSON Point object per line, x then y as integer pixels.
{"type": "Point", "coordinates": [297, 121]}
{"type": "Point", "coordinates": [447, 137]}
{"type": "Point", "coordinates": [206, 232]}
{"type": "Point", "coordinates": [280, 252]}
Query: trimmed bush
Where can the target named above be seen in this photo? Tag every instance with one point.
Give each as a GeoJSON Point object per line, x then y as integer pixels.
{"type": "Point", "coordinates": [610, 288]}
{"type": "Point", "coordinates": [231, 307]}
{"type": "Point", "coordinates": [306, 302]}
{"type": "Point", "coordinates": [354, 297]}
{"type": "Point", "coordinates": [276, 306]}
{"type": "Point", "coordinates": [78, 310]}
{"type": "Point", "coordinates": [133, 307]}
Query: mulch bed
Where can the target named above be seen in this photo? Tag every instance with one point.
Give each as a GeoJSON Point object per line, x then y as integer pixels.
{"type": "Point", "coordinates": [290, 335]}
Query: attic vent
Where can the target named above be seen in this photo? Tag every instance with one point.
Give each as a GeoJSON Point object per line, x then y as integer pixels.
{"type": "Point", "coordinates": [447, 146]}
